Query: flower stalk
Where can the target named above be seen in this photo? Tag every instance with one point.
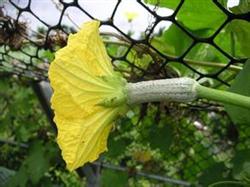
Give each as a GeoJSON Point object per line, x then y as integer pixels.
{"type": "Point", "coordinates": [223, 96]}
{"type": "Point", "coordinates": [180, 90]}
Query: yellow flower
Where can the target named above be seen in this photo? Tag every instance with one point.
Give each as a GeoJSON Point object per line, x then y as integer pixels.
{"type": "Point", "coordinates": [88, 96]}
{"type": "Point", "coordinates": [131, 15]}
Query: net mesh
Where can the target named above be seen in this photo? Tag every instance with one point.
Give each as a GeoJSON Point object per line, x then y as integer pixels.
{"type": "Point", "coordinates": [25, 53]}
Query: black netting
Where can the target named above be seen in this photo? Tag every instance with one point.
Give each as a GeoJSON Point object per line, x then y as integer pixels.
{"type": "Point", "coordinates": [16, 59]}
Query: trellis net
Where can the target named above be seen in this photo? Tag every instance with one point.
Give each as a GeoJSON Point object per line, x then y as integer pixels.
{"type": "Point", "coordinates": [201, 134]}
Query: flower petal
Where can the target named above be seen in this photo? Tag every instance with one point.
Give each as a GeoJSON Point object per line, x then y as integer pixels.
{"type": "Point", "coordinates": [82, 77]}
{"type": "Point", "coordinates": [88, 50]}
{"type": "Point", "coordinates": [82, 140]}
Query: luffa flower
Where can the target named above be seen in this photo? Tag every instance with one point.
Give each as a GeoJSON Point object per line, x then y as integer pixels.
{"type": "Point", "coordinates": [88, 96]}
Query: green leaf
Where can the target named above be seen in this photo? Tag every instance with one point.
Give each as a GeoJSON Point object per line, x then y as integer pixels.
{"type": "Point", "coordinates": [33, 168]}
{"type": "Point", "coordinates": [115, 50]}
{"type": "Point", "coordinates": [116, 146]}
{"type": "Point", "coordinates": [111, 178]}
{"type": "Point", "coordinates": [37, 163]}
{"type": "Point", "coordinates": [20, 179]}
{"type": "Point", "coordinates": [195, 15]}
{"type": "Point", "coordinates": [212, 174]}
{"type": "Point", "coordinates": [5, 175]}
{"type": "Point", "coordinates": [202, 52]}
{"type": "Point", "coordinates": [235, 38]}
{"type": "Point", "coordinates": [242, 7]}
{"type": "Point", "coordinates": [206, 52]}
{"type": "Point", "coordinates": [223, 3]}
{"type": "Point", "coordinates": [241, 86]}
{"type": "Point", "coordinates": [201, 14]}
{"type": "Point", "coordinates": [161, 137]}
{"type": "Point", "coordinates": [46, 54]}
{"type": "Point", "coordinates": [158, 136]}
{"type": "Point", "coordinates": [241, 162]}
{"type": "Point", "coordinates": [172, 4]}
{"type": "Point", "coordinates": [181, 69]}
{"type": "Point", "coordinates": [173, 41]}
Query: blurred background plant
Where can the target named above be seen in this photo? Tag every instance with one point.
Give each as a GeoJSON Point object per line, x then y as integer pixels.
{"type": "Point", "coordinates": [155, 144]}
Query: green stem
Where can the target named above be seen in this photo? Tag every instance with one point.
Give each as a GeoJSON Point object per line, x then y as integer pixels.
{"type": "Point", "coordinates": [212, 64]}
{"type": "Point", "coordinates": [226, 182]}
{"type": "Point", "coordinates": [223, 96]}
{"type": "Point", "coordinates": [140, 48]}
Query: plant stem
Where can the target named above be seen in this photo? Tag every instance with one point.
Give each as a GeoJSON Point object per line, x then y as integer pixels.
{"type": "Point", "coordinates": [140, 48]}
{"type": "Point", "coordinates": [226, 182]}
{"type": "Point", "coordinates": [212, 64]}
{"type": "Point", "coordinates": [223, 96]}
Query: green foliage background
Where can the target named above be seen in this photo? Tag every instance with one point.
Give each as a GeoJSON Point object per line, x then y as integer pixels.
{"type": "Point", "coordinates": [176, 140]}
